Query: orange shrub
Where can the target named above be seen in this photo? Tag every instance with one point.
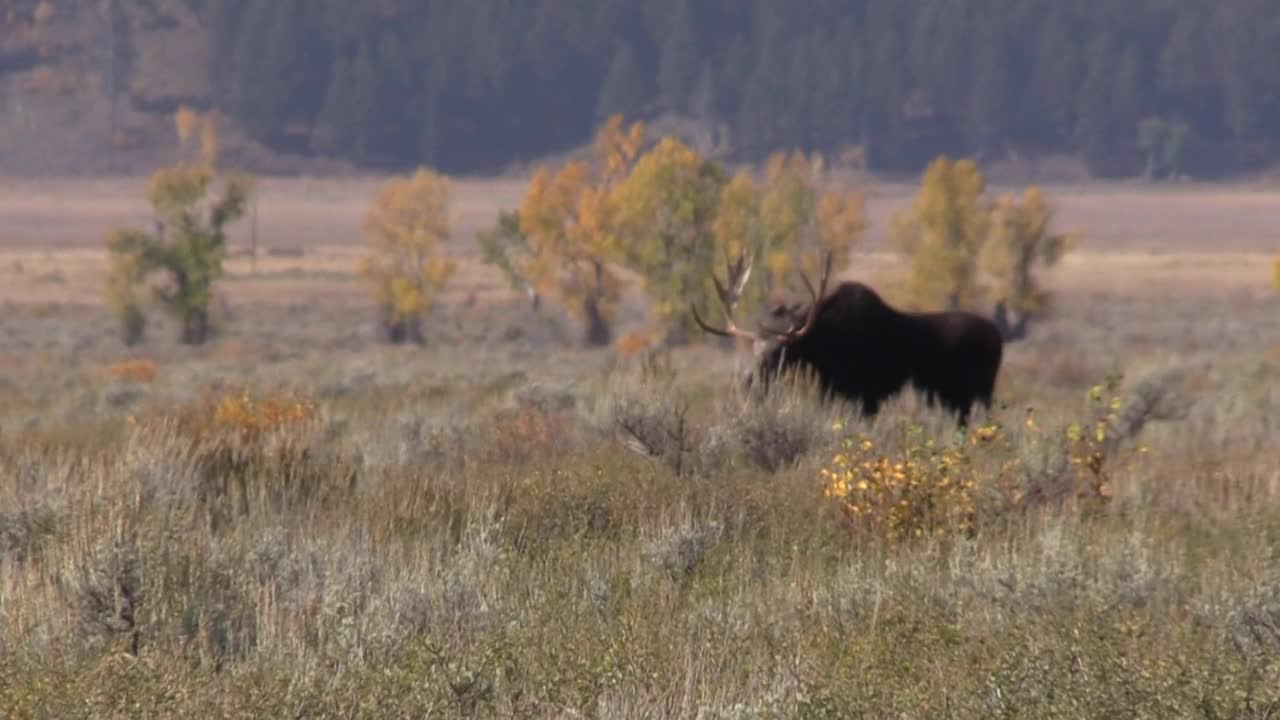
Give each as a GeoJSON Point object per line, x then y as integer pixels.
{"type": "Point", "coordinates": [527, 433]}
{"type": "Point", "coordinates": [633, 343]}
{"type": "Point", "coordinates": [239, 415]}
{"type": "Point", "coordinates": [252, 418]}
{"type": "Point", "coordinates": [134, 371]}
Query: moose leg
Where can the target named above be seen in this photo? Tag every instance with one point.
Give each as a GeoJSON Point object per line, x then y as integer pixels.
{"type": "Point", "coordinates": [870, 406]}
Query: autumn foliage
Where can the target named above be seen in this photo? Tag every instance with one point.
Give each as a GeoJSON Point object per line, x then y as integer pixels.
{"type": "Point", "coordinates": [666, 210]}
{"type": "Point", "coordinates": [668, 216]}
{"type": "Point", "coordinates": [138, 371]}
{"type": "Point", "coordinates": [964, 249]}
{"type": "Point", "coordinates": [567, 220]}
{"type": "Point", "coordinates": [1019, 240]}
{"type": "Point", "coordinates": [924, 490]}
{"type": "Point", "coordinates": [562, 217]}
{"type": "Point", "coordinates": [802, 222]}
{"type": "Point", "coordinates": [943, 233]}
{"type": "Point", "coordinates": [251, 417]}
{"type": "Point", "coordinates": [406, 265]}
{"type": "Point", "coordinates": [919, 486]}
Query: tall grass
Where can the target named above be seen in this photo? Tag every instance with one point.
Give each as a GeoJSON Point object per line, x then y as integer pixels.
{"type": "Point", "coordinates": [390, 537]}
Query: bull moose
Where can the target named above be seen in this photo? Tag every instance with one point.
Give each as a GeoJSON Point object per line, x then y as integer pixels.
{"type": "Point", "coordinates": [866, 351]}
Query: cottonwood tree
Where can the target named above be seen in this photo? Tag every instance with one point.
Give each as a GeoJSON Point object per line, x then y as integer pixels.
{"type": "Point", "coordinates": [506, 247]}
{"type": "Point", "coordinates": [963, 249]}
{"type": "Point", "coordinates": [567, 218]}
{"type": "Point", "coordinates": [941, 235]}
{"type": "Point", "coordinates": [665, 213]}
{"type": "Point", "coordinates": [787, 206]}
{"type": "Point", "coordinates": [1020, 239]}
{"type": "Point", "coordinates": [406, 265]}
{"type": "Point", "coordinates": [739, 232]}
{"type": "Point", "coordinates": [182, 259]}
{"type": "Point", "coordinates": [561, 216]}
{"type": "Point", "coordinates": [787, 223]}
{"type": "Point", "coordinates": [803, 223]}
{"type": "Point", "coordinates": [125, 276]}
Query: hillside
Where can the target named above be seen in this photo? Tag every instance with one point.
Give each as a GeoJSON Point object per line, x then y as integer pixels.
{"type": "Point", "coordinates": [89, 88]}
{"type": "Point", "coordinates": [1163, 88]}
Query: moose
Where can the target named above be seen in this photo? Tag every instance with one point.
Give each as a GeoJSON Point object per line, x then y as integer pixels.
{"type": "Point", "coordinates": [864, 350]}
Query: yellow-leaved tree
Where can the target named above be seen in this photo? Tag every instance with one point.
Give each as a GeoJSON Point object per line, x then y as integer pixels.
{"type": "Point", "coordinates": [941, 235]}
{"type": "Point", "coordinates": [788, 223]}
{"type": "Point", "coordinates": [841, 222]}
{"type": "Point", "coordinates": [802, 222]}
{"type": "Point", "coordinates": [739, 232]}
{"type": "Point", "coordinates": [666, 211]}
{"type": "Point", "coordinates": [963, 250]}
{"type": "Point", "coordinates": [1019, 240]}
{"type": "Point", "coordinates": [406, 264]}
{"type": "Point", "coordinates": [567, 231]}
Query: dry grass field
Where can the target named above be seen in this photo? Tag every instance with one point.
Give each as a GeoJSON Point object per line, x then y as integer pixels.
{"type": "Point", "coordinates": [294, 521]}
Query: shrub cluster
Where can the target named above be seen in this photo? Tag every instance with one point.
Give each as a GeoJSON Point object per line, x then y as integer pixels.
{"type": "Point", "coordinates": [925, 486]}
{"type": "Point", "coordinates": [929, 488]}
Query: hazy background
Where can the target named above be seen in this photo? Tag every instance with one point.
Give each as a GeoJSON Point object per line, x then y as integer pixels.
{"type": "Point", "coordinates": [1036, 89]}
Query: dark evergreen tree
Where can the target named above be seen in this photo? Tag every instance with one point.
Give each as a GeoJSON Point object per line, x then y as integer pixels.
{"type": "Point", "coordinates": [1124, 112]}
{"type": "Point", "coordinates": [625, 89]}
{"type": "Point", "coordinates": [1092, 130]}
{"type": "Point", "coordinates": [988, 116]}
{"type": "Point", "coordinates": [678, 64]}
{"type": "Point", "coordinates": [338, 124]}
{"type": "Point", "coordinates": [473, 86]}
{"type": "Point", "coordinates": [1056, 79]}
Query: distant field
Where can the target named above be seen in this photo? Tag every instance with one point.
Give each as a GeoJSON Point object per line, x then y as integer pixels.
{"type": "Point", "coordinates": [293, 213]}
{"type": "Point", "coordinates": [1190, 239]}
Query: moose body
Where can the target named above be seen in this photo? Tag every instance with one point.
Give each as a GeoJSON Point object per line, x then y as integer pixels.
{"type": "Point", "coordinates": [863, 350]}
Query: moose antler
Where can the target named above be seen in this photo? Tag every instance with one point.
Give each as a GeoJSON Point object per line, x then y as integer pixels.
{"type": "Point", "coordinates": [736, 274]}
{"type": "Point", "coordinates": [793, 334]}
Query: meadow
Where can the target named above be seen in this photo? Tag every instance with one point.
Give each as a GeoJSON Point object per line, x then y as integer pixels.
{"type": "Point", "coordinates": [296, 521]}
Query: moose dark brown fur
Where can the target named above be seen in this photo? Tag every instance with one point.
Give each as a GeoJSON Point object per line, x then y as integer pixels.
{"type": "Point", "coordinates": [862, 349]}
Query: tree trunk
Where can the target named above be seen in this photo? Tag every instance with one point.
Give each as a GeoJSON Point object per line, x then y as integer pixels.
{"type": "Point", "coordinates": [597, 332]}
{"type": "Point", "coordinates": [133, 325]}
{"type": "Point", "coordinates": [195, 327]}
{"type": "Point", "coordinates": [411, 330]}
{"type": "Point", "coordinates": [398, 330]}
{"type": "Point", "coordinates": [386, 328]}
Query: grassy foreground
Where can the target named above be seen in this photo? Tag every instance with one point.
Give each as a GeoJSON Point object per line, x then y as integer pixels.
{"type": "Point", "coordinates": [354, 532]}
